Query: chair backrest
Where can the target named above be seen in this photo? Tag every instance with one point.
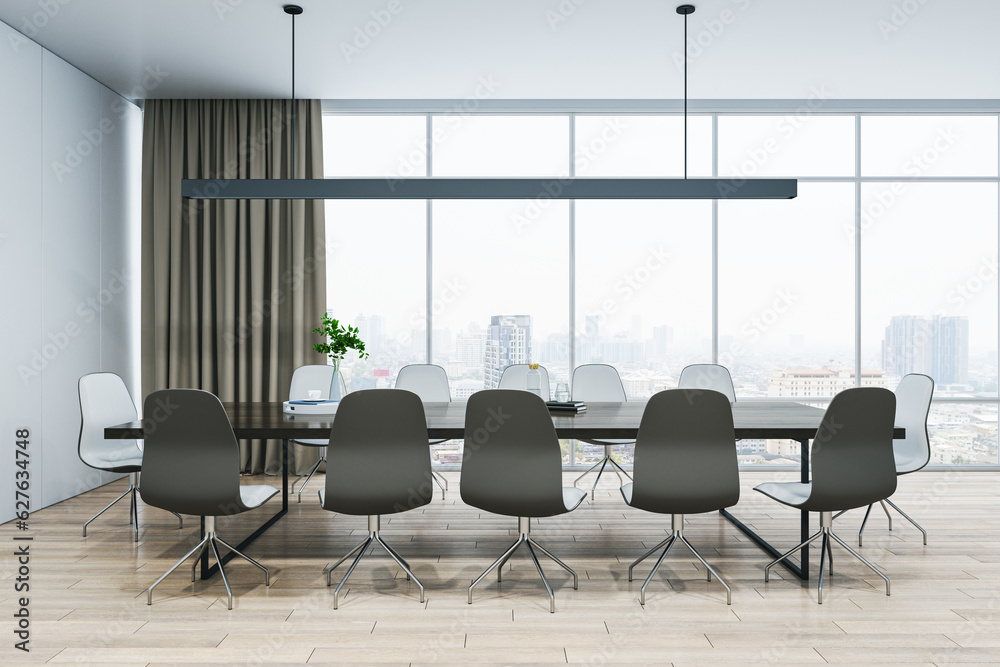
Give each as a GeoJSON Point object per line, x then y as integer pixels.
{"type": "Point", "coordinates": [380, 463]}
{"type": "Point", "coordinates": [191, 461]}
{"type": "Point", "coordinates": [598, 383]}
{"type": "Point", "coordinates": [511, 462]}
{"type": "Point", "coordinates": [104, 401]}
{"type": "Point", "coordinates": [515, 376]}
{"type": "Point", "coordinates": [913, 403]}
{"type": "Point", "coordinates": [685, 453]}
{"type": "Point", "coordinates": [852, 460]}
{"type": "Point", "coordinates": [428, 381]}
{"type": "Point", "coordinates": [708, 376]}
{"type": "Point", "coordinates": [315, 376]}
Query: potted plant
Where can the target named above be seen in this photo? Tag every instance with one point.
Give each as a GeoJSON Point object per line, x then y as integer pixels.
{"type": "Point", "coordinates": [337, 340]}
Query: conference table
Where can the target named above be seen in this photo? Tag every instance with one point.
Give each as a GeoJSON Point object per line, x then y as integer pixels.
{"type": "Point", "coordinates": [752, 420]}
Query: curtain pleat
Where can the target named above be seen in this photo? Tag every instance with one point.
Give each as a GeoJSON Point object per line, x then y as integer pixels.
{"type": "Point", "coordinates": [231, 289]}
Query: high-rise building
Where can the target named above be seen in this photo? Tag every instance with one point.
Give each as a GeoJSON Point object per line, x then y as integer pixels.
{"type": "Point", "coordinates": [470, 346]}
{"type": "Point", "coordinates": [371, 329]}
{"type": "Point", "coordinates": [663, 340]}
{"type": "Point", "coordinates": [950, 352]}
{"type": "Point", "coordinates": [937, 346]}
{"type": "Point", "coordinates": [508, 341]}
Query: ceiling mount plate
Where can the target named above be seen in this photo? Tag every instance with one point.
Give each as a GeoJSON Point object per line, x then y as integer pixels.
{"type": "Point", "coordinates": [685, 9]}
{"type": "Point", "coordinates": [295, 10]}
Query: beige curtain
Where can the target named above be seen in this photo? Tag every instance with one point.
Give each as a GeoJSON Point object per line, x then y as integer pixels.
{"type": "Point", "coordinates": [231, 289]}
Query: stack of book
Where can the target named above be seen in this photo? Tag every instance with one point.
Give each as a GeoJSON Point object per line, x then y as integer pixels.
{"type": "Point", "coordinates": [566, 406]}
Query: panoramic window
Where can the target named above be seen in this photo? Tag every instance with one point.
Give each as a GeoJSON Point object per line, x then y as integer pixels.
{"type": "Point", "coordinates": [917, 225]}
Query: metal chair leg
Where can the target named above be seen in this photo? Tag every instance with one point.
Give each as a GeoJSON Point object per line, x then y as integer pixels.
{"type": "Point", "coordinates": [589, 470]}
{"type": "Point", "coordinates": [336, 593]}
{"type": "Point", "coordinates": [862, 559]}
{"type": "Point", "coordinates": [576, 579]}
{"type": "Point", "coordinates": [615, 464]}
{"type": "Point", "coordinates": [767, 568]}
{"type": "Point", "coordinates": [646, 555]}
{"type": "Point", "coordinates": [267, 574]}
{"type": "Point", "coordinates": [133, 511]}
{"type": "Point", "coordinates": [222, 571]}
{"type": "Point", "coordinates": [864, 522]}
{"type": "Point", "coordinates": [106, 508]}
{"type": "Point", "coordinates": [312, 471]}
{"type": "Point", "coordinates": [829, 553]}
{"type": "Point", "coordinates": [907, 517]}
{"type": "Point", "coordinates": [541, 573]}
{"type": "Point", "coordinates": [497, 563]}
{"type": "Point", "coordinates": [711, 570]}
{"type": "Point", "coordinates": [441, 481]}
{"type": "Point", "coordinates": [823, 549]}
{"type": "Point", "coordinates": [395, 556]}
{"type": "Point", "coordinates": [198, 547]}
{"type": "Point", "coordinates": [194, 561]}
{"type": "Point", "coordinates": [330, 568]}
{"type": "Point", "coordinates": [659, 561]}
{"type": "Point", "coordinates": [402, 563]}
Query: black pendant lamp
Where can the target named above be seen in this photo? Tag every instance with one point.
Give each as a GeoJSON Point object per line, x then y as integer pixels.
{"type": "Point", "coordinates": [490, 188]}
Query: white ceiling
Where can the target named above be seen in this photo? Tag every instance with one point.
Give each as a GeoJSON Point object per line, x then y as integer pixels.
{"type": "Point", "coordinates": [541, 49]}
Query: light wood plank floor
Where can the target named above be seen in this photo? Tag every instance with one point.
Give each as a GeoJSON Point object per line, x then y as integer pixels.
{"type": "Point", "coordinates": [88, 603]}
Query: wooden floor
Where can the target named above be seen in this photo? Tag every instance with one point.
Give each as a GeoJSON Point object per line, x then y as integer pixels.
{"type": "Point", "coordinates": [88, 602]}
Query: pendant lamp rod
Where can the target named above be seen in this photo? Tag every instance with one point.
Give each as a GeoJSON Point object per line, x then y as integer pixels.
{"type": "Point", "coordinates": [684, 10]}
{"type": "Point", "coordinates": [293, 11]}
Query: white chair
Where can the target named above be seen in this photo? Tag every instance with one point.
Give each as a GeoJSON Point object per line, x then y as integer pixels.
{"type": "Point", "coordinates": [305, 378]}
{"type": "Point", "coordinates": [515, 376]}
{"type": "Point", "coordinates": [105, 401]}
{"type": "Point", "coordinates": [600, 383]}
{"type": "Point", "coordinates": [708, 376]}
{"type": "Point", "coordinates": [913, 404]}
{"type": "Point", "coordinates": [193, 466]}
{"type": "Point", "coordinates": [430, 383]}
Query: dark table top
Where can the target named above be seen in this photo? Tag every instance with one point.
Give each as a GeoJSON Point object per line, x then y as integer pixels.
{"type": "Point", "coordinates": [753, 419]}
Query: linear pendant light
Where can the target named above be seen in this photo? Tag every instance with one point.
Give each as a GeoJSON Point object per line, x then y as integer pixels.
{"type": "Point", "coordinates": [491, 188]}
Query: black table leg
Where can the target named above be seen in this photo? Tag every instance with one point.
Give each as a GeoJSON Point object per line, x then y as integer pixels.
{"type": "Point", "coordinates": [804, 520]}
{"type": "Point", "coordinates": [802, 572]}
{"type": "Point", "coordinates": [206, 571]}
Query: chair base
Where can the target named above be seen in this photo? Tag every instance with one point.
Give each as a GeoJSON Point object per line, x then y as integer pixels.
{"type": "Point", "coordinates": [211, 540]}
{"type": "Point", "coordinates": [524, 529]}
{"type": "Point", "coordinates": [826, 532]}
{"type": "Point", "coordinates": [373, 536]}
{"type": "Point", "coordinates": [888, 516]}
{"type": "Point", "coordinates": [133, 510]}
{"type": "Point", "coordinates": [603, 463]}
{"type": "Point", "coordinates": [677, 532]}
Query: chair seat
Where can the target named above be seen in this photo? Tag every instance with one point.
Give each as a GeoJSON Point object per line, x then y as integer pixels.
{"type": "Point", "coordinates": [255, 495]}
{"type": "Point", "coordinates": [627, 493]}
{"type": "Point", "coordinates": [789, 493]}
{"type": "Point", "coordinates": [610, 441]}
{"type": "Point", "coordinates": [108, 461]}
{"type": "Point", "coordinates": [312, 443]}
{"type": "Point", "coordinates": [906, 463]}
{"type": "Point", "coordinates": [572, 497]}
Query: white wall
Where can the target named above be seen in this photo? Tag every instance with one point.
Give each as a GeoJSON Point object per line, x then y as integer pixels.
{"type": "Point", "coordinates": [69, 227]}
